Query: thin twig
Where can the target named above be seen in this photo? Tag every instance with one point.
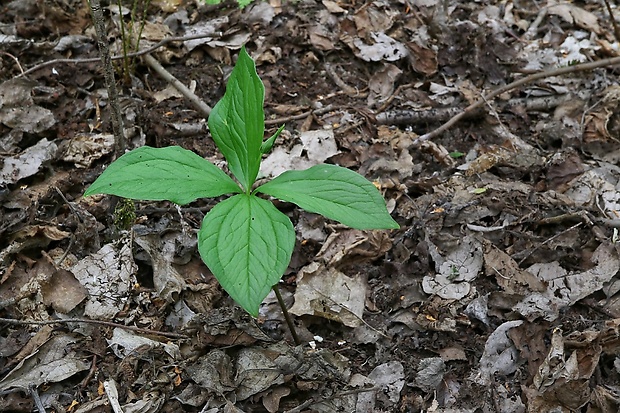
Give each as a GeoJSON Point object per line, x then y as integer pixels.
{"type": "Point", "coordinates": [537, 247]}
{"type": "Point", "coordinates": [98, 322]}
{"type": "Point", "coordinates": [91, 372]}
{"type": "Point", "coordinates": [613, 21]}
{"type": "Point", "coordinates": [528, 79]}
{"type": "Point", "coordinates": [310, 402]}
{"type": "Point", "coordinates": [196, 102]}
{"type": "Point", "coordinates": [389, 100]}
{"type": "Point", "coordinates": [148, 50]}
{"type": "Point", "coordinates": [32, 389]}
{"type": "Point", "coordinates": [279, 121]}
{"type": "Point", "coordinates": [21, 69]}
{"type": "Point", "coordinates": [349, 90]}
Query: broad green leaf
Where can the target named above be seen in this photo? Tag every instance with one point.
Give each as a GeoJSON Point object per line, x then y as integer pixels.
{"type": "Point", "coordinates": [155, 174]}
{"type": "Point", "coordinates": [268, 144]}
{"type": "Point", "coordinates": [237, 122]}
{"type": "Point", "coordinates": [247, 244]}
{"type": "Point", "coordinates": [335, 192]}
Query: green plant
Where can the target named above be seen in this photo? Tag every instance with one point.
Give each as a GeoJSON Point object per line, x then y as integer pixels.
{"type": "Point", "coordinates": [245, 241]}
{"type": "Point", "coordinates": [241, 3]}
{"type": "Point", "coordinates": [131, 34]}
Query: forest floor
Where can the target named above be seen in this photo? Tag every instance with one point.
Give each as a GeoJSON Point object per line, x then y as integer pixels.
{"type": "Point", "coordinates": [499, 292]}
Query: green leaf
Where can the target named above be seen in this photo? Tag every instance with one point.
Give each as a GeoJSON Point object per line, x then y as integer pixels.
{"type": "Point", "coordinates": [247, 244]}
{"type": "Point", "coordinates": [237, 122]}
{"type": "Point", "coordinates": [335, 192]}
{"type": "Point", "coordinates": [268, 144]}
{"type": "Point", "coordinates": [155, 174]}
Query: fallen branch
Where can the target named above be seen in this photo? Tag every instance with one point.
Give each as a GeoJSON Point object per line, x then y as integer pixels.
{"type": "Point", "coordinates": [196, 102]}
{"type": "Point", "coordinates": [148, 50]}
{"type": "Point", "coordinates": [528, 79]}
{"type": "Point", "coordinates": [279, 121]}
{"type": "Point", "coordinates": [98, 322]}
{"type": "Point", "coordinates": [310, 402]}
{"type": "Point", "coordinates": [410, 116]}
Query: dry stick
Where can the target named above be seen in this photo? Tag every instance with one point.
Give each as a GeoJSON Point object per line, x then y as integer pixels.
{"type": "Point", "coordinates": [108, 72]}
{"type": "Point", "coordinates": [98, 322]}
{"type": "Point", "coordinates": [437, 115]}
{"type": "Point", "coordinates": [21, 69]}
{"type": "Point", "coordinates": [349, 90]}
{"type": "Point", "coordinates": [119, 57]}
{"type": "Point", "coordinates": [613, 21]}
{"type": "Point", "coordinates": [32, 389]}
{"type": "Point", "coordinates": [531, 78]}
{"type": "Point", "coordinates": [390, 99]}
{"type": "Point", "coordinates": [310, 402]}
{"type": "Point", "coordinates": [196, 102]}
{"type": "Point", "coordinates": [279, 121]}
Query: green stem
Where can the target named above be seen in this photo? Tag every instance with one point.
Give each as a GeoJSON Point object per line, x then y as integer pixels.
{"type": "Point", "coordinates": [287, 316]}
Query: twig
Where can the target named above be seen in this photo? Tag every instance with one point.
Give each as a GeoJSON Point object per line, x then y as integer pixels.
{"type": "Point", "coordinates": [349, 90]}
{"type": "Point", "coordinates": [32, 389]}
{"type": "Point", "coordinates": [91, 372]}
{"type": "Point", "coordinates": [528, 79]}
{"type": "Point", "coordinates": [112, 392]}
{"type": "Point", "coordinates": [533, 29]}
{"type": "Point", "coordinates": [21, 69]}
{"type": "Point", "coordinates": [279, 121]}
{"type": "Point", "coordinates": [108, 74]}
{"type": "Point", "coordinates": [198, 104]}
{"type": "Point", "coordinates": [410, 116]}
{"type": "Point", "coordinates": [590, 302]}
{"type": "Point", "coordinates": [151, 49]}
{"type": "Point", "coordinates": [98, 322]}
{"type": "Point", "coordinates": [537, 247]}
{"type": "Point", "coordinates": [310, 402]}
{"type": "Point", "coordinates": [613, 21]}
{"type": "Point", "coordinates": [389, 100]}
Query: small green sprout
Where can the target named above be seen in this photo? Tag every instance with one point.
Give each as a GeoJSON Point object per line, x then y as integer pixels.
{"type": "Point", "coordinates": [124, 214]}
{"type": "Point", "coordinates": [244, 240]}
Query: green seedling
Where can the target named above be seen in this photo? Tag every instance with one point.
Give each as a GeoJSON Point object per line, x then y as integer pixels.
{"type": "Point", "coordinates": [131, 34]}
{"type": "Point", "coordinates": [244, 240]}
{"type": "Point", "coordinates": [241, 3]}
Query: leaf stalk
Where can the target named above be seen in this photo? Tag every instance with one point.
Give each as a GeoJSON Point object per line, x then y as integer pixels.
{"type": "Point", "coordinates": [287, 315]}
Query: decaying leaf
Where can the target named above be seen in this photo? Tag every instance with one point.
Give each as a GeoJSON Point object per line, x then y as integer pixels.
{"type": "Point", "coordinates": [28, 162]}
{"type": "Point", "coordinates": [107, 275]}
{"type": "Point", "coordinates": [162, 250]}
{"type": "Point", "coordinates": [328, 293]}
{"type": "Point", "coordinates": [456, 270]}
{"type": "Point", "coordinates": [316, 147]}
{"type": "Point", "coordinates": [53, 362]}
{"type": "Point", "coordinates": [565, 288]}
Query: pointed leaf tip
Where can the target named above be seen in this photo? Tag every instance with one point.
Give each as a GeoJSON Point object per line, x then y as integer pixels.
{"type": "Point", "coordinates": [247, 244]}
{"type": "Point", "coordinates": [334, 192]}
{"type": "Point", "coordinates": [155, 174]}
{"type": "Point", "coordinates": [237, 122]}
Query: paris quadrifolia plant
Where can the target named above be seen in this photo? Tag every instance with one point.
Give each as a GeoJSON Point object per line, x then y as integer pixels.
{"type": "Point", "coordinates": [245, 240]}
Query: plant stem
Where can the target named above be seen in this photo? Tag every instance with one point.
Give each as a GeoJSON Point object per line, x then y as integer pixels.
{"type": "Point", "coordinates": [287, 316]}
